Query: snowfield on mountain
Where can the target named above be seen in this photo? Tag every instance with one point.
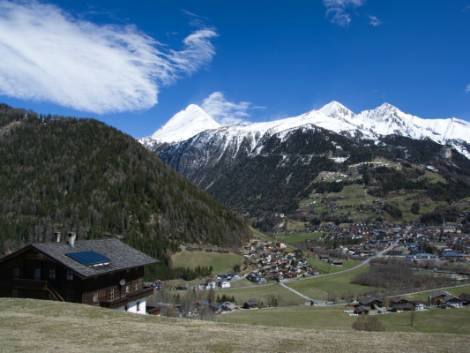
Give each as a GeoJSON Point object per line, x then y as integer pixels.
{"type": "Point", "coordinates": [370, 124]}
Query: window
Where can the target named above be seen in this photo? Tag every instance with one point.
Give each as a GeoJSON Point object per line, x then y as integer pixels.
{"type": "Point", "coordinates": [95, 297]}
{"type": "Point", "coordinates": [37, 274]}
{"type": "Point", "coordinates": [111, 294]}
{"type": "Point", "coordinates": [16, 272]}
{"type": "Point", "coordinates": [69, 275]}
{"type": "Point", "coordinates": [127, 289]}
{"type": "Point", "coordinates": [52, 273]}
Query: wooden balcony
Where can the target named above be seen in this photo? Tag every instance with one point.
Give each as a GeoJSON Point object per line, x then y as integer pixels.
{"type": "Point", "coordinates": [142, 293]}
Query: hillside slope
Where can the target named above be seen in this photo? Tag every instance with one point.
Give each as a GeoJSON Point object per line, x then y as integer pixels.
{"type": "Point", "coordinates": [82, 175]}
{"type": "Point", "coordinates": [42, 326]}
{"type": "Point", "coordinates": [294, 173]}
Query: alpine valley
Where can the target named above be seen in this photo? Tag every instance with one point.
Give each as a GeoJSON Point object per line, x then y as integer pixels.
{"type": "Point", "coordinates": [326, 165]}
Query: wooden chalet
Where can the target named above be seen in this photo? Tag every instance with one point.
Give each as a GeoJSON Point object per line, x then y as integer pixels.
{"type": "Point", "coordinates": [104, 272]}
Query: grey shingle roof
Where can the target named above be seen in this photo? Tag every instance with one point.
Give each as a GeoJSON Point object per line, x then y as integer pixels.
{"type": "Point", "coordinates": [122, 256]}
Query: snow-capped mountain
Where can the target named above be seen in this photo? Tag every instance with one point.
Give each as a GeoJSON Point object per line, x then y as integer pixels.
{"type": "Point", "coordinates": [280, 166]}
{"type": "Point", "coordinates": [370, 124]}
{"type": "Point", "coordinates": [184, 125]}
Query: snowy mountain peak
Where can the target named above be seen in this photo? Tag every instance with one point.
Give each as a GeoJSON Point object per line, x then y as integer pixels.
{"type": "Point", "coordinates": [185, 124]}
{"type": "Point", "coordinates": [387, 107]}
{"type": "Point", "coordinates": [383, 120]}
{"type": "Point", "coordinates": [384, 112]}
{"type": "Point", "coordinates": [335, 109]}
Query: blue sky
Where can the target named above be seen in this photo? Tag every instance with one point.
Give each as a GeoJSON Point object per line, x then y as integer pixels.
{"type": "Point", "coordinates": [283, 57]}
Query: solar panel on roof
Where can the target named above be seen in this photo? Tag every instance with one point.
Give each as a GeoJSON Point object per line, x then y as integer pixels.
{"type": "Point", "coordinates": [89, 258]}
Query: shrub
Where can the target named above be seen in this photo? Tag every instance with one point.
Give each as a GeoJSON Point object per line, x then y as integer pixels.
{"type": "Point", "coordinates": [392, 210]}
{"type": "Point", "coordinates": [415, 207]}
{"type": "Point", "coordinates": [368, 323]}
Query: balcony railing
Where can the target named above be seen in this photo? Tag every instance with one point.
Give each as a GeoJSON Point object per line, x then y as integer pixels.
{"type": "Point", "coordinates": [123, 299]}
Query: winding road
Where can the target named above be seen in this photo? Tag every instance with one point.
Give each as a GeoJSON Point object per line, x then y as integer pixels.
{"type": "Point", "coordinates": [322, 302]}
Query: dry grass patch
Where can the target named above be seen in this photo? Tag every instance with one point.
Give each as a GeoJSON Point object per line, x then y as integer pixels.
{"type": "Point", "coordinates": [28, 326]}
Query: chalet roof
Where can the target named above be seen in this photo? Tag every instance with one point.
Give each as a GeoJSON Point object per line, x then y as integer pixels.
{"type": "Point", "coordinates": [121, 256]}
{"type": "Point", "coordinates": [369, 300]}
{"type": "Point", "coordinates": [438, 293]}
{"type": "Point", "coordinates": [403, 306]}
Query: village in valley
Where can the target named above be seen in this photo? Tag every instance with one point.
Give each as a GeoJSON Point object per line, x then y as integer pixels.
{"type": "Point", "coordinates": [434, 262]}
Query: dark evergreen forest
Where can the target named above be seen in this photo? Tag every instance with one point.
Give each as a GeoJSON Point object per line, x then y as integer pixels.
{"type": "Point", "coordinates": [81, 175]}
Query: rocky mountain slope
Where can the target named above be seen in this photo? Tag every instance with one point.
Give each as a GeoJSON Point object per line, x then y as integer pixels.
{"type": "Point", "coordinates": [75, 174]}
{"type": "Point", "coordinates": [287, 166]}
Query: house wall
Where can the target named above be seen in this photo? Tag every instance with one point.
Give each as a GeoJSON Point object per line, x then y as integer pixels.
{"type": "Point", "coordinates": [107, 288]}
{"type": "Point", "coordinates": [33, 265]}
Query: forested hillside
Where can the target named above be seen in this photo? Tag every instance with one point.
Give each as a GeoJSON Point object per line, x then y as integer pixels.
{"type": "Point", "coordinates": [314, 175]}
{"type": "Point", "coordinates": [82, 175]}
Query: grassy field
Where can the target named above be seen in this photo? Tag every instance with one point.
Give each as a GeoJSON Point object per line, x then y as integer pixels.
{"type": "Point", "coordinates": [31, 326]}
{"type": "Point", "coordinates": [262, 293]}
{"type": "Point", "coordinates": [355, 202]}
{"type": "Point", "coordinates": [324, 267]}
{"type": "Point", "coordinates": [435, 320]}
{"type": "Point", "coordinates": [332, 286]}
{"type": "Point", "coordinates": [326, 318]}
{"type": "Point", "coordinates": [295, 239]}
{"type": "Point", "coordinates": [334, 318]}
{"type": "Point", "coordinates": [318, 288]}
{"type": "Point", "coordinates": [452, 290]}
{"type": "Point", "coordinates": [220, 262]}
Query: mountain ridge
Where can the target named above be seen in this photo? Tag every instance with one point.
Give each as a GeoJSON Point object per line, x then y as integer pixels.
{"type": "Point", "coordinates": [384, 120]}
{"type": "Point", "coordinates": [320, 167]}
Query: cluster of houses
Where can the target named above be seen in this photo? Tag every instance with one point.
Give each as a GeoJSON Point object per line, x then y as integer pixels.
{"type": "Point", "coordinates": [221, 281]}
{"type": "Point", "coordinates": [375, 305]}
{"type": "Point", "coordinates": [354, 241]}
{"type": "Point", "coordinates": [274, 261]}
{"type": "Point", "coordinates": [446, 243]}
{"type": "Point", "coordinates": [359, 241]}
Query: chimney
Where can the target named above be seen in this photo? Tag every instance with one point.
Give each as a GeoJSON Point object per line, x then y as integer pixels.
{"type": "Point", "coordinates": [72, 237]}
{"type": "Point", "coordinates": [57, 236]}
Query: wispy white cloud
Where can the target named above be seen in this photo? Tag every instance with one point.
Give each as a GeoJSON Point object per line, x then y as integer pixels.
{"type": "Point", "coordinates": [195, 19]}
{"type": "Point", "coordinates": [226, 112]}
{"type": "Point", "coordinates": [339, 11]}
{"type": "Point", "coordinates": [467, 89]}
{"type": "Point", "coordinates": [374, 21]}
{"type": "Point", "coordinates": [49, 55]}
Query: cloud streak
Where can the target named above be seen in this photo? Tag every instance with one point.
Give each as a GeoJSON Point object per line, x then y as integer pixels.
{"type": "Point", "coordinates": [48, 55]}
{"type": "Point", "coordinates": [374, 21]}
{"type": "Point", "coordinates": [467, 89]}
{"type": "Point", "coordinates": [339, 11]}
{"type": "Point", "coordinates": [226, 112]}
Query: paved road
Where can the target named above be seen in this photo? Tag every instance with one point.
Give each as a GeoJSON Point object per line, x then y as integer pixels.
{"type": "Point", "coordinates": [431, 290]}
{"type": "Point", "coordinates": [363, 263]}
{"type": "Point", "coordinates": [298, 293]}
{"type": "Point", "coordinates": [317, 301]}
{"type": "Point", "coordinates": [322, 302]}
